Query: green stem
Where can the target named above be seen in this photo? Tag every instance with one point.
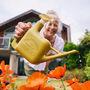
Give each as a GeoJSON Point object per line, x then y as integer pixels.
{"type": "Point", "coordinates": [1, 85]}
{"type": "Point", "coordinates": [63, 84]}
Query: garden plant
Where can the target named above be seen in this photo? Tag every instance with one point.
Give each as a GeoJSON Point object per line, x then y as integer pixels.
{"type": "Point", "coordinates": [40, 81]}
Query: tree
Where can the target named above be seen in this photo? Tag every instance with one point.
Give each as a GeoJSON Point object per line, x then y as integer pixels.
{"type": "Point", "coordinates": [84, 47]}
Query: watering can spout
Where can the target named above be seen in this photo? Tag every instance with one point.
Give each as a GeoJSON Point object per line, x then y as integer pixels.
{"type": "Point", "coordinates": [59, 55]}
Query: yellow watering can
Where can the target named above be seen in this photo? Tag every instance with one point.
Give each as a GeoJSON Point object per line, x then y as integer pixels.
{"type": "Point", "coordinates": [34, 47]}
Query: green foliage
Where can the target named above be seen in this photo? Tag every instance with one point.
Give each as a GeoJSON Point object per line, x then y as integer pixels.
{"type": "Point", "coordinates": [13, 86]}
{"type": "Point", "coordinates": [70, 46]}
{"type": "Point", "coordinates": [87, 57]}
{"type": "Point", "coordinates": [57, 84]}
{"type": "Point", "coordinates": [78, 59]}
{"type": "Point", "coordinates": [17, 84]}
{"type": "Point", "coordinates": [84, 47]}
{"type": "Point", "coordinates": [87, 67]}
{"type": "Point", "coordinates": [87, 71]}
{"type": "Point", "coordinates": [11, 39]}
{"type": "Point", "coordinates": [71, 61]}
{"type": "Point", "coordinates": [78, 73]}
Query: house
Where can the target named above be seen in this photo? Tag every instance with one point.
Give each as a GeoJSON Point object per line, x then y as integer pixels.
{"type": "Point", "coordinates": [7, 31]}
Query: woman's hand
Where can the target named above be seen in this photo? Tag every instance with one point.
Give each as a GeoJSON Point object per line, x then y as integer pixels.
{"type": "Point", "coordinates": [21, 29]}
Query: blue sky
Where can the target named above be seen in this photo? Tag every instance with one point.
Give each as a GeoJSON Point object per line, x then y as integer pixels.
{"type": "Point", "coordinates": [75, 13]}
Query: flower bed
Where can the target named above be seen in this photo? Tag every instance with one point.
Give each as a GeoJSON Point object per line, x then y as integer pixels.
{"type": "Point", "coordinates": [39, 81]}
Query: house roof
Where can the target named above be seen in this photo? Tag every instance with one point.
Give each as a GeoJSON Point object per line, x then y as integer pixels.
{"type": "Point", "coordinates": [22, 17]}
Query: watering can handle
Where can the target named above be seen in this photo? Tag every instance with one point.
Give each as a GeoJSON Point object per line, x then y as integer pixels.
{"type": "Point", "coordinates": [16, 41]}
{"type": "Point", "coordinates": [36, 27]}
{"type": "Point", "coordinates": [58, 55]}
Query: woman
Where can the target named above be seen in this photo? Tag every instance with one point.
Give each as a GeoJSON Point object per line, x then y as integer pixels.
{"type": "Point", "coordinates": [49, 31]}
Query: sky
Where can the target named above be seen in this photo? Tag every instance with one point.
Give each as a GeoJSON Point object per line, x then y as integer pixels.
{"type": "Point", "coordinates": [75, 13]}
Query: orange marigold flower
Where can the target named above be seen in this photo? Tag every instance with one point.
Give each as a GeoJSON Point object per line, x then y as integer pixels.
{"type": "Point", "coordinates": [85, 85]}
{"type": "Point", "coordinates": [6, 81]}
{"type": "Point", "coordinates": [36, 81]}
{"type": "Point", "coordinates": [47, 88]}
{"type": "Point", "coordinates": [76, 86]}
{"type": "Point", "coordinates": [58, 72]}
{"type": "Point", "coordinates": [74, 80]}
{"type": "Point", "coordinates": [4, 69]}
{"type": "Point", "coordinates": [7, 69]}
{"type": "Point", "coordinates": [25, 87]}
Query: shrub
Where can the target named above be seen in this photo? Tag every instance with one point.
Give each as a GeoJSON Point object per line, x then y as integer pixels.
{"type": "Point", "coordinates": [72, 61]}
{"type": "Point", "coordinates": [87, 67]}
{"type": "Point", "coordinates": [84, 47]}
{"type": "Point", "coordinates": [78, 73]}
{"type": "Point", "coordinates": [87, 57]}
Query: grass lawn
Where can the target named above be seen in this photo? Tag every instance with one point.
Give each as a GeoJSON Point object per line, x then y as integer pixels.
{"type": "Point", "coordinates": [18, 82]}
{"type": "Point", "coordinates": [55, 83]}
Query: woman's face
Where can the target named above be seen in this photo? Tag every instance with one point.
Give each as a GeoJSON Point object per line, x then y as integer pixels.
{"type": "Point", "coordinates": [51, 29]}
